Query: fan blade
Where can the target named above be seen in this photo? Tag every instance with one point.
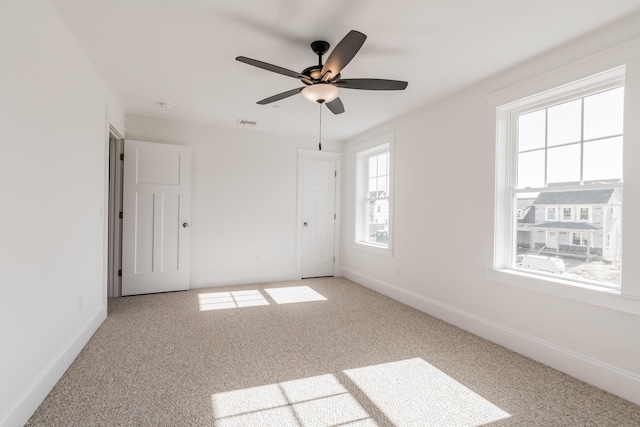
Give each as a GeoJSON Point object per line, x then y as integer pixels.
{"type": "Point", "coordinates": [371, 84]}
{"type": "Point", "coordinates": [342, 54]}
{"type": "Point", "coordinates": [335, 106]}
{"type": "Point", "coordinates": [269, 67]}
{"type": "Point", "coordinates": [280, 96]}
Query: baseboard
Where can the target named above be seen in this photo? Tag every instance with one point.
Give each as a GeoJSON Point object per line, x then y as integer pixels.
{"type": "Point", "coordinates": [27, 403]}
{"type": "Point", "coordinates": [602, 375]}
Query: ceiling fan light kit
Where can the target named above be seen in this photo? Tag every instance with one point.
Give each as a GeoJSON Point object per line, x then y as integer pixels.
{"type": "Point", "coordinates": [322, 81]}
{"type": "Point", "coordinates": [320, 93]}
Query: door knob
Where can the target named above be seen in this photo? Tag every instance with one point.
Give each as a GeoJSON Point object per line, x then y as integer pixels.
{"type": "Point", "coordinates": [305, 223]}
{"type": "Point", "coordinates": [185, 224]}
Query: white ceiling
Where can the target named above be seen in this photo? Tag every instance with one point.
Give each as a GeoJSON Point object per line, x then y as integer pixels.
{"type": "Point", "coordinates": [183, 52]}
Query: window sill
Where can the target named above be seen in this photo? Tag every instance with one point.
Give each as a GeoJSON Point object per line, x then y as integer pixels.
{"type": "Point", "coordinates": [374, 249]}
{"type": "Point", "coordinates": [601, 297]}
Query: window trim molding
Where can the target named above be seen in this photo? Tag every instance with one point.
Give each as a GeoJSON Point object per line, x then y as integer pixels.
{"type": "Point", "coordinates": [364, 149]}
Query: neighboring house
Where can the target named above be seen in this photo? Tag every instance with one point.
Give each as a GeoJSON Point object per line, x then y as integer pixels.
{"type": "Point", "coordinates": [526, 218]}
{"type": "Point", "coordinates": [584, 224]}
{"type": "Point", "coordinates": [378, 216]}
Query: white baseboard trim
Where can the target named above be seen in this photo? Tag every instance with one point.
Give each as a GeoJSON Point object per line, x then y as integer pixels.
{"type": "Point", "coordinates": [602, 375]}
{"type": "Point", "coordinates": [26, 404]}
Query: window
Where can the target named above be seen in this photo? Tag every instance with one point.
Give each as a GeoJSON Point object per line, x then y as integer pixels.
{"type": "Point", "coordinates": [551, 213]}
{"type": "Point", "coordinates": [580, 239]}
{"type": "Point", "coordinates": [566, 155]}
{"type": "Point", "coordinates": [584, 213]}
{"type": "Point", "coordinates": [567, 213]}
{"type": "Point", "coordinates": [373, 210]}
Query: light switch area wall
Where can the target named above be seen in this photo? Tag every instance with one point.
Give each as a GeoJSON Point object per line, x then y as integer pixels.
{"type": "Point", "coordinates": [244, 198]}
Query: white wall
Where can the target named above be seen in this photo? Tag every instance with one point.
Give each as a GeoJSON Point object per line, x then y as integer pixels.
{"type": "Point", "coordinates": [244, 199]}
{"type": "Point", "coordinates": [53, 113]}
{"type": "Point", "coordinates": [443, 188]}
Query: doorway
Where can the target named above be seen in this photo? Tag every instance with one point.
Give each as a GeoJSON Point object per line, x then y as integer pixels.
{"type": "Point", "coordinates": [116, 170]}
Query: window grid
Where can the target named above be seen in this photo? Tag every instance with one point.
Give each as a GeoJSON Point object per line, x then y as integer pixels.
{"type": "Point", "coordinates": [376, 200]}
{"type": "Point", "coordinates": [515, 190]}
{"type": "Point", "coordinates": [545, 149]}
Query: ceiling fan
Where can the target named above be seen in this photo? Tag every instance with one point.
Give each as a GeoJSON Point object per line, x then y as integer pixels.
{"type": "Point", "coordinates": [324, 81]}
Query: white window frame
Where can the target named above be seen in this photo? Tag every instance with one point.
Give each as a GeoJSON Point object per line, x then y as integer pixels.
{"type": "Point", "coordinates": [513, 111]}
{"type": "Point", "coordinates": [571, 216]}
{"type": "Point", "coordinates": [366, 149]}
{"type": "Point", "coordinates": [498, 255]}
{"type": "Point", "coordinates": [547, 217]}
{"type": "Point", "coordinates": [589, 214]}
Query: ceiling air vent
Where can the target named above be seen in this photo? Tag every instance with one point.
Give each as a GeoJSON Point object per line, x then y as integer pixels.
{"type": "Point", "coordinates": [247, 122]}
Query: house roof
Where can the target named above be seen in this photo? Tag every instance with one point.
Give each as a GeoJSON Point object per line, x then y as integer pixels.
{"type": "Point", "coordinates": [567, 225]}
{"type": "Point", "coordinates": [578, 197]}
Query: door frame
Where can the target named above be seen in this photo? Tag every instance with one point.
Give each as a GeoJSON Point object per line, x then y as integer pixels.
{"type": "Point", "coordinates": [116, 149]}
{"type": "Point", "coordinates": [318, 155]}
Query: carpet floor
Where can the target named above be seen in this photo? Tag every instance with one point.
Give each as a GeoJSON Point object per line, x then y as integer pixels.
{"type": "Point", "coordinates": [317, 352]}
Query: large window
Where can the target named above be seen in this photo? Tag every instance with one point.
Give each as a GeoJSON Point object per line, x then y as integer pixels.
{"type": "Point", "coordinates": [373, 213]}
{"type": "Point", "coordinates": [566, 160]}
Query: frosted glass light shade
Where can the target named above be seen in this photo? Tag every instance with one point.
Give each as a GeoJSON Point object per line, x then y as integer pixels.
{"type": "Point", "coordinates": [320, 92]}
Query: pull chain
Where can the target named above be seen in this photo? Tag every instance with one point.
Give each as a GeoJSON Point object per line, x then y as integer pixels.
{"type": "Point", "coordinates": [320, 138]}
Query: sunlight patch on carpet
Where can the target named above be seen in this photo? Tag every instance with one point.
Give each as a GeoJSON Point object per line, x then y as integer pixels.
{"type": "Point", "coordinates": [234, 299]}
{"type": "Point", "coordinates": [413, 392]}
{"type": "Point", "coordinates": [309, 402]}
{"type": "Point", "coordinates": [294, 294]}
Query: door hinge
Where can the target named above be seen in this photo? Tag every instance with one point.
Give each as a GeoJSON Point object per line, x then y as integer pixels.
{"type": "Point", "coordinates": [120, 215]}
{"type": "Point", "coordinates": [120, 272]}
{"type": "Point", "coordinates": [335, 173]}
{"type": "Point", "coordinates": [334, 260]}
{"type": "Point", "coordinates": [334, 216]}
{"type": "Point", "coordinates": [121, 156]}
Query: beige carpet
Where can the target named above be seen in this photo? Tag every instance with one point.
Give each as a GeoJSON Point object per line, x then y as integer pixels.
{"type": "Point", "coordinates": [319, 352]}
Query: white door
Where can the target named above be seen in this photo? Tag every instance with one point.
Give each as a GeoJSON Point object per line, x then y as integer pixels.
{"type": "Point", "coordinates": [156, 217]}
{"type": "Point", "coordinates": [318, 217]}
{"type": "Point", "coordinates": [552, 239]}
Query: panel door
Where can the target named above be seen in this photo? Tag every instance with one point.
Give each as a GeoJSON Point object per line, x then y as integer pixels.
{"type": "Point", "coordinates": [156, 217]}
{"type": "Point", "coordinates": [318, 213]}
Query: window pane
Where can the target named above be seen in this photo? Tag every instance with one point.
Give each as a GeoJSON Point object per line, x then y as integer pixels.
{"type": "Point", "coordinates": [564, 123]}
{"type": "Point", "coordinates": [531, 169]}
{"type": "Point", "coordinates": [373, 166]}
{"type": "Point", "coordinates": [382, 187]}
{"type": "Point", "coordinates": [603, 114]}
{"type": "Point", "coordinates": [531, 130]}
{"type": "Point", "coordinates": [378, 222]}
{"type": "Point", "coordinates": [373, 190]}
{"type": "Point", "coordinates": [383, 164]}
{"type": "Point", "coordinates": [524, 205]}
{"type": "Point", "coordinates": [563, 164]}
{"type": "Point", "coordinates": [603, 159]}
